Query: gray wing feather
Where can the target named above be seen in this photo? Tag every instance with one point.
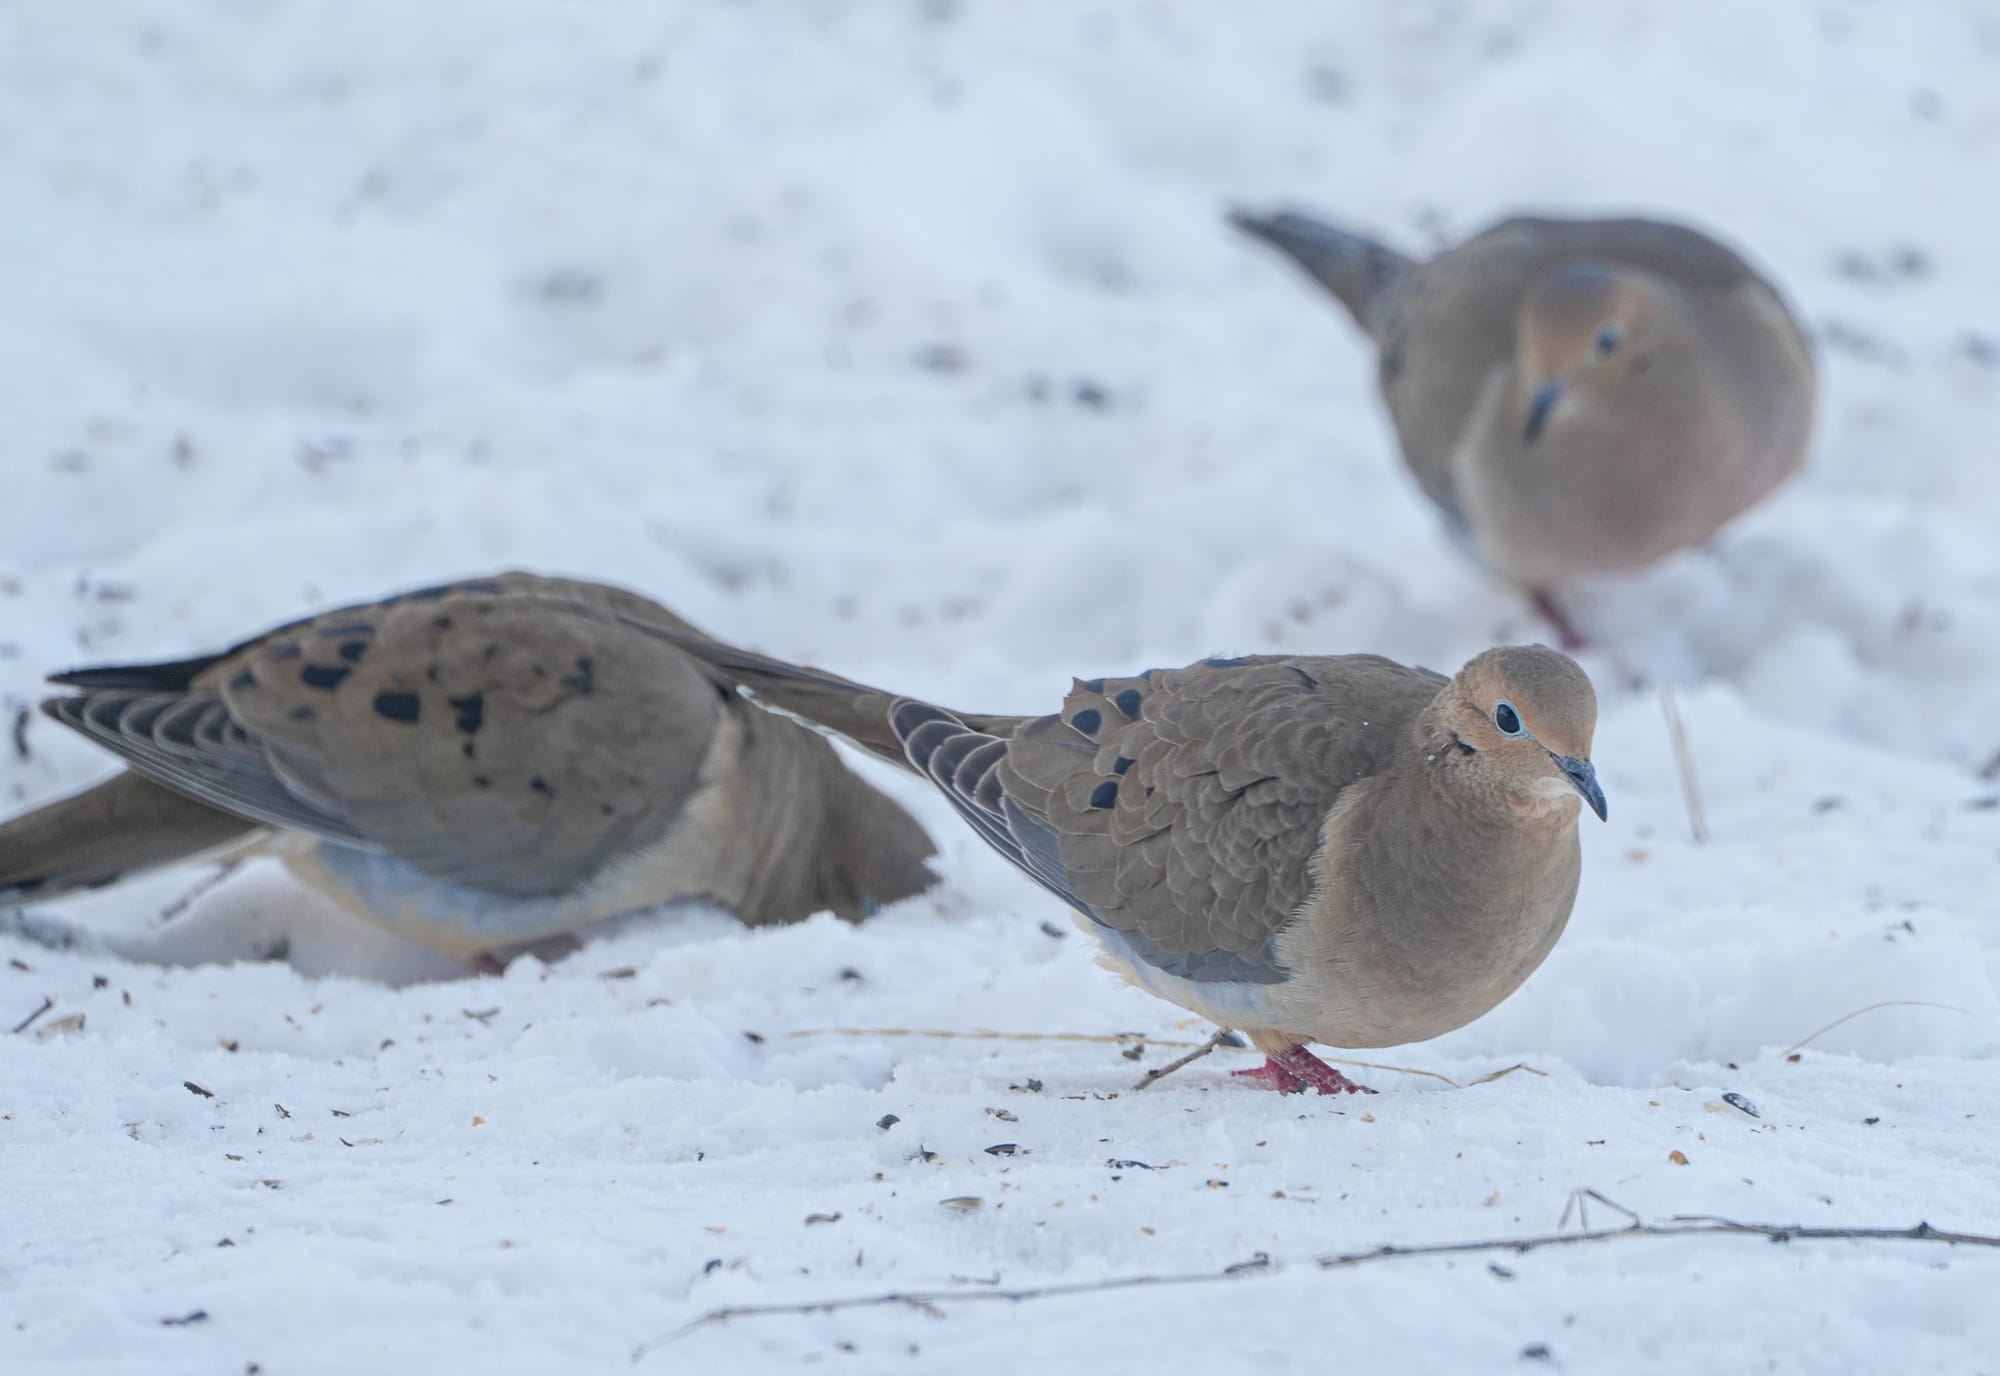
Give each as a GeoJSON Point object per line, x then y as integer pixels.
{"type": "Point", "coordinates": [1180, 808]}
{"type": "Point", "coordinates": [192, 745]}
{"type": "Point", "coordinates": [503, 732]}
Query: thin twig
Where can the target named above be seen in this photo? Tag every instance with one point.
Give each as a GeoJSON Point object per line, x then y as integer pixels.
{"type": "Point", "coordinates": [1680, 1225]}
{"type": "Point", "coordinates": [1684, 762]}
{"type": "Point", "coordinates": [924, 1300]}
{"type": "Point", "coordinates": [201, 888]}
{"type": "Point", "coordinates": [1160, 1072]}
{"type": "Point", "coordinates": [24, 1024]}
{"type": "Point", "coordinates": [1502, 1073]}
{"type": "Point", "coordinates": [985, 1035]}
{"type": "Point", "coordinates": [1579, 1200]}
{"type": "Point", "coordinates": [1136, 1039]}
{"type": "Point", "coordinates": [1886, 1003]}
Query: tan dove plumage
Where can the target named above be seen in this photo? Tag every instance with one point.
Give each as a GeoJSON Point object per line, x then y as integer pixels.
{"type": "Point", "coordinates": [1577, 396]}
{"type": "Point", "coordinates": [1335, 849]}
{"type": "Point", "coordinates": [474, 767]}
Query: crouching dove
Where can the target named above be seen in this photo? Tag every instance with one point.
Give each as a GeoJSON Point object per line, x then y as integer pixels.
{"type": "Point", "coordinates": [1307, 849]}
{"type": "Point", "coordinates": [473, 767]}
{"type": "Point", "coordinates": [1577, 396]}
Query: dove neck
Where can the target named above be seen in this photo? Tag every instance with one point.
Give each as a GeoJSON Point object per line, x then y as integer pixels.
{"type": "Point", "coordinates": [1432, 898]}
{"type": "Point", "coordinates": [1497, 811]}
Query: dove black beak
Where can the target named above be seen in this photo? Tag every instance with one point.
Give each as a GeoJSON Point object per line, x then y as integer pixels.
{"type": "Point", "coordinates": [1540, 404]}
{"type": "Point", "coordinates": [1582, 777]}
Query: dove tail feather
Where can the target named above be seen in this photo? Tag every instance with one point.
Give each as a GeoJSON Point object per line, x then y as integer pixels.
{"type": "Point", "coordinates": [1356, 269]}
{"type": "Point", "coordinates": [170, 676]}
{"type": "Point", "coordinates": [103, 834]}
{"type": "Point", "coordinates": [854, 710]}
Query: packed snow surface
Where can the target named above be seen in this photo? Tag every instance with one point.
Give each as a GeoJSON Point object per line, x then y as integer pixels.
{"type": "Point", "coordinates": [908, 339]}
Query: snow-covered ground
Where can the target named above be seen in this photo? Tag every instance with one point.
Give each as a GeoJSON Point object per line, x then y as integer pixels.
{"type": "Point", "coordinates": [907, 338]}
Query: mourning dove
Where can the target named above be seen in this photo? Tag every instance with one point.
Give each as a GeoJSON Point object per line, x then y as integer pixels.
{"type": "Point", "coordinates": [473, 767]}
{"type": "Point", "coordinates": [1577, 396]}
{"type": "Point", "coordinates": [1331, 849]}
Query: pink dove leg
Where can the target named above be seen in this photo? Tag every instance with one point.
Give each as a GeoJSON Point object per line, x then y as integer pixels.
{"type": "Point", "coordinates": [1292, 1070]}
{"type": "Point", "coordinates": [1568, 637]}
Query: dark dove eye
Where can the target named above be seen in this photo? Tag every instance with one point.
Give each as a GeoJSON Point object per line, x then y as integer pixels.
{"type": "Point", "coordinates": [1606, 342]}
{"type": "Point", "coordinates": [1507, 719]}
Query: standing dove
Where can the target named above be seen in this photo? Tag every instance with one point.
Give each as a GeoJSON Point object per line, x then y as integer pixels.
{"type": "Point", "coordinates": [473, 767]}
{"type": "Point", "coordinates": [1577, 396]}
{"type": "Point", "coordinates": [1333, 849]}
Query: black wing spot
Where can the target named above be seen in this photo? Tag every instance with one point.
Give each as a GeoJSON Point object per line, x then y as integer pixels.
{"type": "Point", "coordinates": [1128, 702]}
{"type": "Point", "coordinates": [398, 706]}
{"type": "Point", "coordinates": [468, 750]}
{"type": "Point", "coordinates": [540, 785]}
{"type": "Point", "coordinates": [1122, 763]}
{"type": "Point", "coordinates": [443, 623]}
{"type": "Point", "coordinates": [1106, 794]}
{"type": "Point", "coordinates": [352, 650]}
{"type": "Point", "coordinates": [481, 781]}
{"type": "Point", "coordinates": [471, 710]}
{"type": "Point", "coordinates": [304, 712]}
{"type": "Point", "coordinates": [325, 677]}
{"type": "Point", "coordinates": [246, 679]}
{"type": "Point", "coordinates": [1087, 721]}
{"type": "Point", "coordinates": [582, 680]}
{"type": "Point", "coordinates": [1093, 685]}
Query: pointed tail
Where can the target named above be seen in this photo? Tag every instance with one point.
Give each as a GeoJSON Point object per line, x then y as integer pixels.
{"type": "Point", "coordinates": [102, 834]}
{"type": "Point", "coordinates": [1356, 269]}
{"type": "Point", "coordinates": [855, 710]}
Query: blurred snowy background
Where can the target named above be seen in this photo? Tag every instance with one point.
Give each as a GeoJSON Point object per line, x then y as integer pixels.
{"type": "Point", "coordinates": [908, 338]}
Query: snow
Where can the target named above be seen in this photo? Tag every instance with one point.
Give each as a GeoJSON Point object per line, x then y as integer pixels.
{"type": "Point", "coordinates": [907, 339]}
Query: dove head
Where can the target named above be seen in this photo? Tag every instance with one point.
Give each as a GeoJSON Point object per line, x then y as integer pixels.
{"type": "Point", "coordinates": [1521, 718]}
{"type": "Point", "coordinates": [1579, 331]}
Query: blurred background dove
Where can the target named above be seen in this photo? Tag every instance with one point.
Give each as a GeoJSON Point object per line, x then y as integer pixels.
{"type": "Point", "coordinates": [1577, 397]}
